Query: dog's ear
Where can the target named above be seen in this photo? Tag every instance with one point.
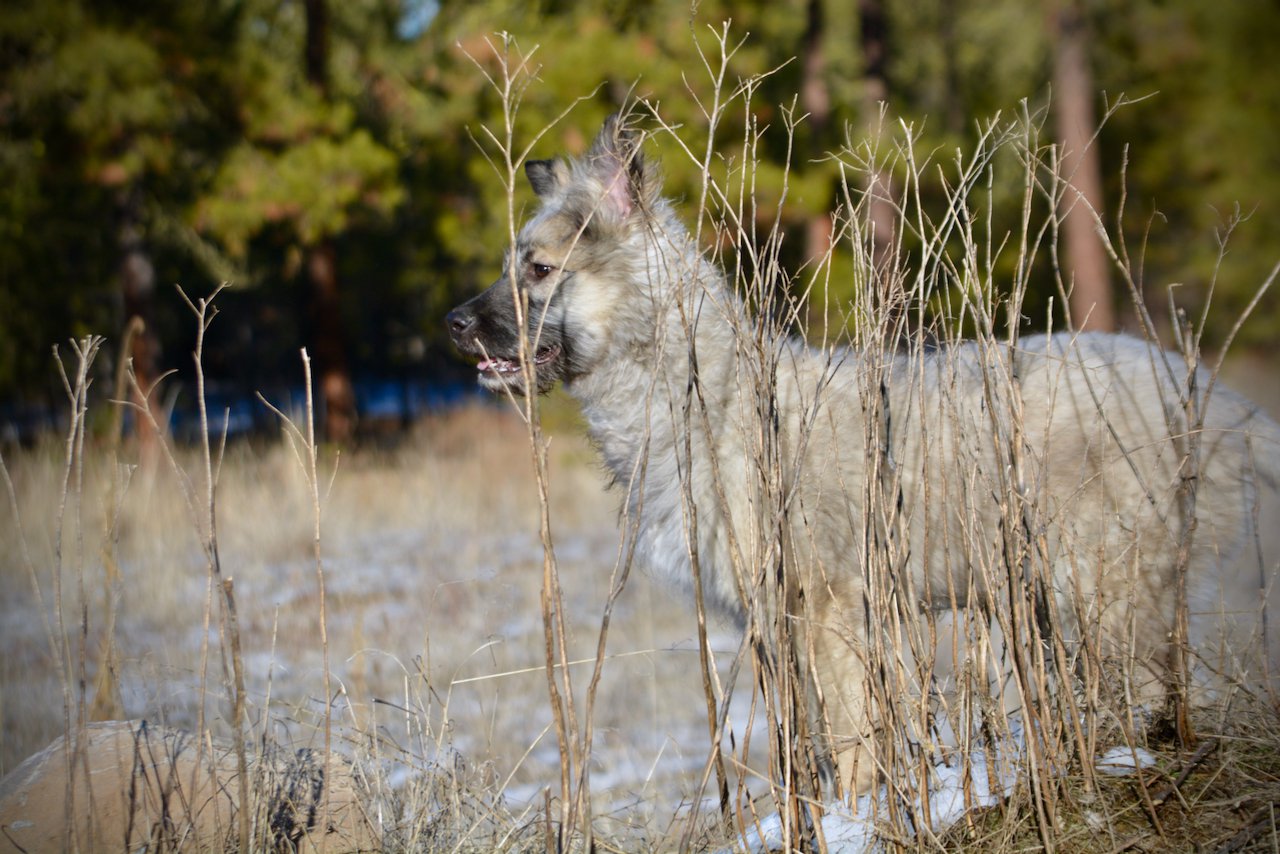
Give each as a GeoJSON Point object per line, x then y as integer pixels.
{"type": "Point", "coordinates": [545, 176]}
{"type": "Point", "coordinates": [617, 163]}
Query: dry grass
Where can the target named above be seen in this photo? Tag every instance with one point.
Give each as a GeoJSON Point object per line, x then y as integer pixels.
{"type": "Point", "coordinates": [432, 570]}
{"type": "Point", "coordinates": [464, 583]}
{"type": "Point", "coordinates": [948, 270]}
{"type": "Point", "coordinates": [433, 573]}
{"type": "Point", "coordinates": [1223, 797]}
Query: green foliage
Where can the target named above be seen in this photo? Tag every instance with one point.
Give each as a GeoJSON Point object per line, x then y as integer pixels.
{"type": "Point", "coordinates": [1200, 148]}
{"type": "Point", "coordinates": [203, 115]}
{"type": "Point", "coordinates": [315, 186]}
{"type": "Point", "coordinates": [106, 105]}
{"type": "Point", "coordinates": [304, 161]}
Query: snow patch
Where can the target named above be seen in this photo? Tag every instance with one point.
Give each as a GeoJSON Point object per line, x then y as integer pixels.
{"type": "Point", "coordinates": [955, 787]}
{"type": "Point", "coordinates": [1121, 761]}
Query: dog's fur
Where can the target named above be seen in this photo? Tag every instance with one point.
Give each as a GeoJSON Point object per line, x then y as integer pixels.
{"type": "Point", "coordinates": [646, 334]}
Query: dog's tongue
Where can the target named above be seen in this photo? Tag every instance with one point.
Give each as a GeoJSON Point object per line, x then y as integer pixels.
{"type": "Point", "coordinates": [497, 365]}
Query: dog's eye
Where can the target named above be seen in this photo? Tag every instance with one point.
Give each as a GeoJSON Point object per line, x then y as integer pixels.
{"type": "Point", "coordinates": [540, 271]}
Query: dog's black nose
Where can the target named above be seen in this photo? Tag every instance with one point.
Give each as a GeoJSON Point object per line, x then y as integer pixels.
{"type": "Point", "coordinates": [461, 322]}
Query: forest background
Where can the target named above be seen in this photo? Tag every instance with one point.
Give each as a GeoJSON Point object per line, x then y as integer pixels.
{"type": "Point", "coordinates": [322, 157]}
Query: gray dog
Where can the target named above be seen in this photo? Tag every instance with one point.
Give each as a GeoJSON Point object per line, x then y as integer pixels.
{"type": "Point", "coordinates": [1073, 456]}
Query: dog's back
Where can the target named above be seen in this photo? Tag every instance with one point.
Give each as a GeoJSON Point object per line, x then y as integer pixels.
{"type": "Point", "coordinates": [1079, 457]}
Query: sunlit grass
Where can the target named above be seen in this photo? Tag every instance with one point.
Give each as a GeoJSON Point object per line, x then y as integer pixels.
{"type": "Point", "coordinates": [432, 571]}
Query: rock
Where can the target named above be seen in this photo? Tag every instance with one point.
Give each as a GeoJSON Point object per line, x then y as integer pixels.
{"type": "Point", "coordinates": [134, 786]}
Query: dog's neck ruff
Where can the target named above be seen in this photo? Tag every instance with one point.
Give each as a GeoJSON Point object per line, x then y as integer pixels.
{"type": "Point", "coordinates": [646, 411]}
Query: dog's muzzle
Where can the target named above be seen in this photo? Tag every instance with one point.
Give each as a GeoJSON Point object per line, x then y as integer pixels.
{"type": "Point", "coordinates": [462, 323]}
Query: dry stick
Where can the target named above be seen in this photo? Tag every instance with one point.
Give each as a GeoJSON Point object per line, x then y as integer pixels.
{"type": "Point", "coordinates": [106, 699]}
{"type": "Point", "coordinates": [313, 480]}
{"type": "Point", "coordinates": [1194, 407]}
{"type": "Point", "coordinates": [1159, 358]}
{"type": "Point", "coordinates": [888, 590]}
{"type": "Point", "coordinates": [768, 634]}
{"type": "Point", "coordinates": [622, 571]}
{"type": "Point", "coordinates": [204, 317]}
{"type": "Point", "coordinates": [1262, 820]}
{"type": "Point", "coordinates": [205, 311]}
{"type": "Point", "coordinates": [1121, 260]}
{"type": "Point", "coordinates": [689, 513]}
{"type": "Point", "coordinates": [82, 645]}
{"type": "Point", "coordinates": [1051, 650]}
{"type": "Point", "coordinates": [1019, 525]}
{"type": "Point", "coordinates": [802, 771]}
{"type": "Point", "coordinates": [1209, 746]}
{"type": "Point", "coordinates": [305, 450]}
{"type": "Point", "coordinates": [705, 659]}
{"type": "Point", "coordinates": [141, 406]}
{"type": "Point", "coordinates": [1030, 606]}
{"type": "Point", "coordinates": [1054, 193]}
{"type": "Point", "coordinates": [878, 324]}
{"type": "Point", "coordinates": [1073, 715]}
{"type": "Point", "coordinates": [575, 805]}
{"type": "Point", "coordinates": [574, 742]}
{"type": "Point", "coordinates": [882, 515]}
{"type": "Point", "coordinates": [143, 410]}
{"type": "Point", "coordinates": [780, 678]}
{"type": "Point", "coordinates": [1189, 476]}
{"type": "Point", "coordinates": [61, 656]}
{"type": "Point", "coordinates": [510, 85]}
{"type": "Point", "coordinates": [808, 773]}
{"type": "Point", "coordinates": [884, 544]}
{"type": "Point", "coordinates": [1188, 439]}
{"type": "Point", "coordinates": [716, 717]}
{"type": "Point", "coordinates": [77, 394]}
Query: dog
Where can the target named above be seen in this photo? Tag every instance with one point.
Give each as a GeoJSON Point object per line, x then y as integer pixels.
{"type": "Point", "coordinates": [1116, 466]}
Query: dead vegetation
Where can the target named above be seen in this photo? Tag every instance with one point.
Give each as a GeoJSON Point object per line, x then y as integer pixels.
{"type": "Point", "coordinates": [454, 620]}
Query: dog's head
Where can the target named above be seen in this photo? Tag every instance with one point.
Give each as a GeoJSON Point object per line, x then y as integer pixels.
{"type": "Point", "coordinates": [564, 276]}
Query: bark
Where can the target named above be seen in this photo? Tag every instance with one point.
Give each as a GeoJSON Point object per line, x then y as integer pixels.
{"type": "Point", "coordinates": [329, 346]}
{"type": "Point", "coordinates": [336, 392]}
{"type": "Point", "coordinates": [882, 217]}
{"type": "Point", "coordinates": [951, 68]}
{"type": "Point", "coordinates": [316, 49]}
{"type": "Point", "coordinates": [815, 95]}
{"type": "Point", "coordinates": [874, 41]}
{"type": "Point", "coordinates": [137, 278]}
{"type": "Point", "coordinates": [1087, 265]}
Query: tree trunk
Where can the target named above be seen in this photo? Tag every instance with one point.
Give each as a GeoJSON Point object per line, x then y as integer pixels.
{"type": "Point", "coordinates": [1087, 265]}
{"type": "Point", "coordinates": [815, 96]}
{"type": "Point", "coordinates": [329, 346]}
{"type": "Point", "coordinates": [873, 39]}
{"type": "Point", "coordinates": [316, 49]}
{"type": "Point", "coordinates": [137, 295]}
{"type": "Point", "coordinates": [880, 219]}
{"type": "Point", "coordinates": [337, 394]}
{"type": "Point", "coordinates": [955, 113]}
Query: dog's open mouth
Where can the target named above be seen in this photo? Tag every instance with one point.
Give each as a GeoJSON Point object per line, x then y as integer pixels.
{"type": "Point", "coordinates": [496, 365]}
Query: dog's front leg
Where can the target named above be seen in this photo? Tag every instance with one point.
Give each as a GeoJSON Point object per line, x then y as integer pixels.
{"type": "Point", "coordinates": [846, 727]}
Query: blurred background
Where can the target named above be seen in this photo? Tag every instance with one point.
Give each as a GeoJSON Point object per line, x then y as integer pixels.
{"type": "Point", "coordinates": [325, 159]}
{"type": "Point", "coordinates": [321, 157]}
